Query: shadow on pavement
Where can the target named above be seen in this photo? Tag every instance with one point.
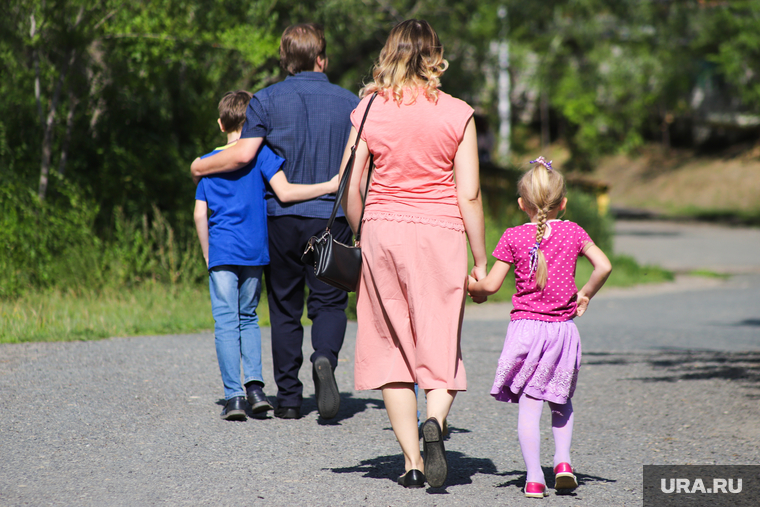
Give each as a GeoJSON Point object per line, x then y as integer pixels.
{"type": "Point", "coordinates": [349, 407]}
{"type": "Point", "coordinates": [519, 480]}
{"type": "Point", "coordinates": [461, 468]}
{"type": "Point", "coordinates": [675, 366]}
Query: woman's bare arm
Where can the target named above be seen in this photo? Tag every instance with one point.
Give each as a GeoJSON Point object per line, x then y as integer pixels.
{"type": "Point", "coordinates": [467, 172]}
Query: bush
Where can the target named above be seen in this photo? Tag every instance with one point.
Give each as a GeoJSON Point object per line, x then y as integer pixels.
{"type": "Point", "coordinates": [583, 210]}
{"type": "Point", "coordinates": [44, 243]}
{"type": "Point", "coordinates": [53, 244]}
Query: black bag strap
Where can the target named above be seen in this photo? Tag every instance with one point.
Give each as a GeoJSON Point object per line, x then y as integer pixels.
{"type": "Point", "coordinates": [347, 174]}
{"type": "Point", "coordinates": [366, 191]}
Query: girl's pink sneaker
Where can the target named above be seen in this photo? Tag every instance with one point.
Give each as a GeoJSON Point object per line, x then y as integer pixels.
{"type": "Point", "coordinates": [564, 477]}
{"type": "Point", "coordinates": [535, 490]}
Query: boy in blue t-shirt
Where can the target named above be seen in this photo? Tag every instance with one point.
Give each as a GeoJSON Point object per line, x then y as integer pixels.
{"type": "Point", "coordinates": [235, 243]}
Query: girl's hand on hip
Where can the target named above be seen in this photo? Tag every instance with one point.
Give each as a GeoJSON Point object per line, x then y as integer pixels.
{"type": "Point", "coordinates": [583, 301]}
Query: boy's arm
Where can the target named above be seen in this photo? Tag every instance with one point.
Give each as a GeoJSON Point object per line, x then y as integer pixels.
{"type": "Point", "coordinates": [231, 159]}
{"type": "Point", "coordinates": [201, 226]}
{"type": "Point", "coordinates": [289, 192]}
{"type": "Point", "coordinates": [602, 270]}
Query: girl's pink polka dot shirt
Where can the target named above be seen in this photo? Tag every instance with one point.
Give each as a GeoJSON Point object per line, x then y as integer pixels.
{"type": "Point", "coordinates": [562, 244]}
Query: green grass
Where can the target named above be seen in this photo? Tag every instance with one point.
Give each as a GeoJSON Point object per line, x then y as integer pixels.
{"type": "Point", "coordinates": [87, 315]}
{"type": "Point", "coordinates": [153, 308]}
{"type": "Point", "coordinates": [706, 273]}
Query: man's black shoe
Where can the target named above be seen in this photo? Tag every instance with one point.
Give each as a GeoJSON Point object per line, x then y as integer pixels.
{"type": "Point", "coordinates": [328, 397]}
{"type": "Point", "coordinates": [287, 412]}
{"type": "Point", "coordinates": [234, 409]}
{"type": "Point", "coordinates": [257, 399]}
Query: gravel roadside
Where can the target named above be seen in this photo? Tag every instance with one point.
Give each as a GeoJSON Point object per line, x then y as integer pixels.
{"type": "Point", "coordinates": [671, 375]}
{"type": "Point", "coordinates": [134, 421]}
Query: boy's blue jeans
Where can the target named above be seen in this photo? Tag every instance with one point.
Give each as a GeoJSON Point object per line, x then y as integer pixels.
{"type": "Point", "coordinates": [235, 292]}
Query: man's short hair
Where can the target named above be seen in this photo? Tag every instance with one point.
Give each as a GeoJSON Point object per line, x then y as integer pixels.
{"type": "Point", "coordinates": [300, 46]}
{"type": "Point", "coordinates": [232, 109]}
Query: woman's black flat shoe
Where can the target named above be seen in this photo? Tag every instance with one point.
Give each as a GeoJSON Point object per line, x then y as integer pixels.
{"type": "Point", "coordinates": [434, 454]}
{"type": "Point", "coordinates": [412, 479]}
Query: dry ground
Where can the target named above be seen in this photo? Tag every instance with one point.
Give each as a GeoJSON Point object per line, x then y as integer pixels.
{"type": "Point", "coordinates": [681, 182]}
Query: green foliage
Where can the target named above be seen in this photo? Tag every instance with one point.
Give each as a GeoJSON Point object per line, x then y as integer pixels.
{"type": "Point", "coordinates": [149, 249]}
{"type": "Point", "coordinates": [45, 243]}
{"type": "Point", "coordinates": [582, 209]}
{"type": "Point", "coordinates": [131, 88]}
{"type": "Point", "coordinates": [729, 36]}
{"type": "Point", "coordinates": [51, 244]}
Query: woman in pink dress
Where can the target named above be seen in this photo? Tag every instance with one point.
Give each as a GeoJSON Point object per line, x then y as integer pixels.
{"type": "Point", "coordinates": [423, 205]}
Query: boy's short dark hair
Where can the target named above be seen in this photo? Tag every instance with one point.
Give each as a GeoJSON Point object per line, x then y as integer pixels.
{"type": "Point", "coordinates": [232, 109]}
{"type": "Point", "coordinates": [300, 46]}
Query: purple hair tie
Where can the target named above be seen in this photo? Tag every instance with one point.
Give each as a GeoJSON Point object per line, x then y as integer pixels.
{"type": "Point", "coordinates": [533, 254]}
{"type": "Point", "coordinates": [543, 162]}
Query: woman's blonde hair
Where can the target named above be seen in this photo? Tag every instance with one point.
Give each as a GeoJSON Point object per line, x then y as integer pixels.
{"type": "Point", "coordinates": [542, 190]}
{"type": "Point", "coordinates": [412, 56]}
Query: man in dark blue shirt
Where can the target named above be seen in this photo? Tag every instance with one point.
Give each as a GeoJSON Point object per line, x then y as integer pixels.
{"type": "Point", "coordinates": [305, 120]}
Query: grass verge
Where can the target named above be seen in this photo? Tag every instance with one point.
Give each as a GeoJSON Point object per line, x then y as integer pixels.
{"type": "Point", "coordinates": [160, 309]}
{"type": "Point", "coordinates": [87, 315]}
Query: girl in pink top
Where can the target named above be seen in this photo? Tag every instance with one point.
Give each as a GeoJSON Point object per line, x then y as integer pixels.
{"type": "Point", "coordinates": [422, 207]}
{"type": "Point", "coordinates": [542, 350]}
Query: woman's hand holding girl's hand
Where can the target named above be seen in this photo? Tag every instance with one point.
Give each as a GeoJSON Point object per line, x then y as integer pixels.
{"type": "Point", "coordinates": [478, 272]}
{"type": "Point", "coordinates": [476, 298]}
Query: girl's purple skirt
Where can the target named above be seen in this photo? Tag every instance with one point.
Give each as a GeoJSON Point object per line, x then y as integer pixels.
{"type": "Point", "coordinates": [540, 359]}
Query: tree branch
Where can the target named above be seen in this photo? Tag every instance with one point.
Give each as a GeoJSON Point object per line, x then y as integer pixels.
{"type": "Point", "coordinates": [47, 139]}
{"type": "Point", "coordinates": [36, 59]}
{"type": "Point", "coordinates": [73, 102]}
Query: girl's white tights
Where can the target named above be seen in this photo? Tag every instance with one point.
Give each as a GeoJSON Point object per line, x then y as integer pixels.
{"type": "Point", "coordinates": [529, 434]}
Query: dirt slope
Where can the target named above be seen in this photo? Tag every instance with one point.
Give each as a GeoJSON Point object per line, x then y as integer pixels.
{"type": "Point", "coordinates": [678, 182]}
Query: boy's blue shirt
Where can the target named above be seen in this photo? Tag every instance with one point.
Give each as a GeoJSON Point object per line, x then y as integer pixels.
{"type": "Point", "coordinates": [237, 225]}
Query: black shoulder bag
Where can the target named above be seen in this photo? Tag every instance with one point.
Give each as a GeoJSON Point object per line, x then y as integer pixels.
{"type": "Point", "coordinates": [334, 263]}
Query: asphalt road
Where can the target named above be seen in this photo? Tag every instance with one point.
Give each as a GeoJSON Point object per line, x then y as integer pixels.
{"type": "Point", "coordinates": [671, 375]}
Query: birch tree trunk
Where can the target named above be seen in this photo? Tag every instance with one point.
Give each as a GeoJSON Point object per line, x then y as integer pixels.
{"type": "Point", "coordinates": [47, 138]}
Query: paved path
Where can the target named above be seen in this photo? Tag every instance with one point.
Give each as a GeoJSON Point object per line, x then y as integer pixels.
{"type": "Point", "coordinates": [685, 246]}
{"type": "Point", "coordinates": [671, 375]}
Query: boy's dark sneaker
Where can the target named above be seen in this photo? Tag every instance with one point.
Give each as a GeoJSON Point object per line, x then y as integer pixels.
{"type": "Point", "coordinates": [257, 399]}
{"type": "Point", "coordinates": [234, 409]}
{"type": "Point", "coordinates": [328, 397]}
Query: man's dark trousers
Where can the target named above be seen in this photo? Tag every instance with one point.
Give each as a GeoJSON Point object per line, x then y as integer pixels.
{"type": "Point", "coordinates": [326, 305]}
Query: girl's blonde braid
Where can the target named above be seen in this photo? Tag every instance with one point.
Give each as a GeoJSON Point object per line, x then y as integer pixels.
{"type": "Point", "coordinates": [541, 226]}
{"type": "Point", "coordinates": [541, 269]}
